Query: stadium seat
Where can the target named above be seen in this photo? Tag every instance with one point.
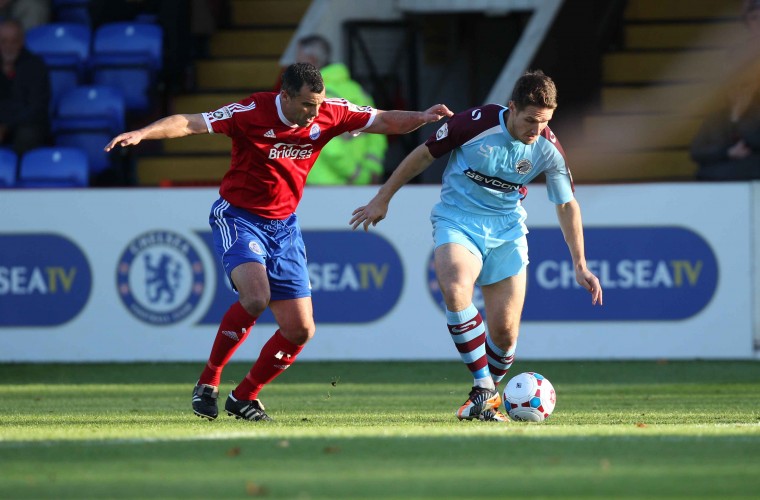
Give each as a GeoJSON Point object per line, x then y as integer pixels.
{"type": "Point", "coordinates": [88, 117]}
{"type": "Point", "coordinates": [72, 11]}
{"type": "Point", "coordinates": [65, 47]}
{"type": "Point", "coordinates": [54, 167]}
{"type": "Point", "coordinates": [8, 163]}
{"type": "Point", "coordinates": [128, 56]}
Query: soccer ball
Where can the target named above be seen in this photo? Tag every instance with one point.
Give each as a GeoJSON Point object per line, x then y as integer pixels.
{"type": "Point", "coordinates": [529, 397]}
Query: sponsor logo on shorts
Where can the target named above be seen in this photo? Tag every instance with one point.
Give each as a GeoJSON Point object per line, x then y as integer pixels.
{"type": "Point", "coordinates": [160, 277]}
{"type": "Point", "coordinates": [476, 114]}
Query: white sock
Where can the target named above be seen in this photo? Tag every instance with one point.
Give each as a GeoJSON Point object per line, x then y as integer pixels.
{"type": "Point", "coordinates": [485, 383]}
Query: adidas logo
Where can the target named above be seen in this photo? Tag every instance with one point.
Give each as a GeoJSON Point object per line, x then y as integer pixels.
{"type": "Point", "coordinates": [231, 335]}
{"type": "Point", "coordinates": [270, 133]}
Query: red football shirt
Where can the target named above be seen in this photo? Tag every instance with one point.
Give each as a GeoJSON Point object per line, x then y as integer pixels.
{"type": "Point", "coordinates": [271, 156]}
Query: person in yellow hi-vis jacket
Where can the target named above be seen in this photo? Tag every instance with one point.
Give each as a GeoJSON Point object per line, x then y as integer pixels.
{"type": "Point", "coordinates": [346, 160]}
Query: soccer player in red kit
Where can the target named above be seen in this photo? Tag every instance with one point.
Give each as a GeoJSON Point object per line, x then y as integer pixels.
{"type": "Point", "coordinates": [276, 138]}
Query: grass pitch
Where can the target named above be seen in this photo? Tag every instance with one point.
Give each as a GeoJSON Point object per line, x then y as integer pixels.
{"type": "Point", "coordinates": [380, 430]}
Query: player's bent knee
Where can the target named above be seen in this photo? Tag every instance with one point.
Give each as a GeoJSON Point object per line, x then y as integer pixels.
{"type": "Point", "coordinates": [299, 335]}
{"type": "Point", "coordinates": [457, 296]}
{"type": "Point", "coordinates": [254, 305]}
{"type": "Point", "coordinates": [506, 339]}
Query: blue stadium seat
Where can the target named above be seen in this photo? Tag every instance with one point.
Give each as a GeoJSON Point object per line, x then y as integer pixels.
{"type": "Point", "coordinates": [72, 11]}
{"type": "Point", "coordinates": [88, 117]}
{"type": "Point", "coordinates": [128, 56]}
{"type": "Point", "coordinates": [54, 167]}
{"type": "Point", "coordinates": [8, 164]}
{"type": "Point", "coordinates": [65, 47]}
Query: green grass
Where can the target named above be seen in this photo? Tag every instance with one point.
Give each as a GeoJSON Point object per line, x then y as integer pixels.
{"type": "Point", "coordinates": [380, 430]}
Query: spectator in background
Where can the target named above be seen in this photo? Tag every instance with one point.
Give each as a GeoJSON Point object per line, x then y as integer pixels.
{"type": "Point", "coordinates": [727, 145]}
{"type": "Point", "coordinates": [29, 13]}
{"type": "Point", "coordinates": [24, 92]}
{"type": "Point", "coordinates": [348, 159]}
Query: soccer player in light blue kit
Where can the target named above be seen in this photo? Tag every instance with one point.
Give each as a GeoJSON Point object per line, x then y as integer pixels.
{"type": "Point", "coordinates": [479, 225]}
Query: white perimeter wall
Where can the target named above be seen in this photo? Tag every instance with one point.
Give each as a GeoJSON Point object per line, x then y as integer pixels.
{"type": "Point", "coordinates": [76, 281]}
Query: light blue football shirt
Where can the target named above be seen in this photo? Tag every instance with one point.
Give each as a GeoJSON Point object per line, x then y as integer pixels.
{"type": "Point", "coordinates": [488, 168]}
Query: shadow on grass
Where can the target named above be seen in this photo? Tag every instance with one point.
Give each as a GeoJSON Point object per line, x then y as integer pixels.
{"type": "Point", "coordinates": [377, 372]}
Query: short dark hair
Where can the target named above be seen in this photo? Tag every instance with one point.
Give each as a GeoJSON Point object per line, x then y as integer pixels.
{"type": "Point", "coordinates": [299, 74]}
{"type": "Point", "coordinates": [534, 88]}
{"type": "Point", "coordinates": [317, 47]}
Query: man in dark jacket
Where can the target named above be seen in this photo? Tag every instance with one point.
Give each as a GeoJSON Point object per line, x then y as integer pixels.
{"type": "Point", "coordinates": [24, 92]}
{"type": "Point", "coordinates": [727, 146]}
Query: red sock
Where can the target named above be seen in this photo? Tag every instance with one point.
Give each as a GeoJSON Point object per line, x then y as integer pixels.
{"type": "Point", "coordinates": [233, 330]}
{"type": "Point", "coordinates": [276, 356]}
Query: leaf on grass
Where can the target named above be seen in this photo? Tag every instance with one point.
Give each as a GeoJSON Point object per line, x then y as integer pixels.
{"type": "Point", "coordinates": [329, 450]}
{"type": "Point", "coordinates": [285, 443]}
{"type": "Point", "coordinates": [604, 464]}
{"type": "Point", "coordinates": [255, 489]}
{"type": "Point", "coordinates": [233, 452]}
{"type": "Point", "coordinates": [641, 424]}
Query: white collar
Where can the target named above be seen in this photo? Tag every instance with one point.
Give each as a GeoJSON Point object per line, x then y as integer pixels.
{"type": "Point", "coordinates": [284, 120]}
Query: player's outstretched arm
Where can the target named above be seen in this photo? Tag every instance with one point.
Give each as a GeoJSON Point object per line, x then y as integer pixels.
{"type": "Point", "coordinates": [166, 128]}
{"type": "Point", "coordinates": [569, 216]}
{"type": "Point", "coordinates": [402, 122]}
{"type": "Point", "coordinates": [374, 211]}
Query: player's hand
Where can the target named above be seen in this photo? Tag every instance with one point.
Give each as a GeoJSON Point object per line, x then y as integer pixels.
{"type": "Point", "coordinates": [126, 139]}
{"type": "Point", "coordinates": [435, 113]}
{"type": "Point", "coordinates": [587, 280]}
{"type": "Point", "coordinates": [371, 213]}
{"type": "Point", "coordinates": [739, 151]}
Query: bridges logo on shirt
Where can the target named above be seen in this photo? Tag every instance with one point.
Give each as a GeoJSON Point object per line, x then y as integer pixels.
{"type": "Point", "coordinates": [290, 151]}
{"type": "Point", "coordinates": [160, 277]}
{"type": "Point", "coordinates": [45, 279]}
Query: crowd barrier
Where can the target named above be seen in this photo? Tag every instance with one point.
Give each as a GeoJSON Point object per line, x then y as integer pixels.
{"type": "Point", "coordinates": [130, 275]}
